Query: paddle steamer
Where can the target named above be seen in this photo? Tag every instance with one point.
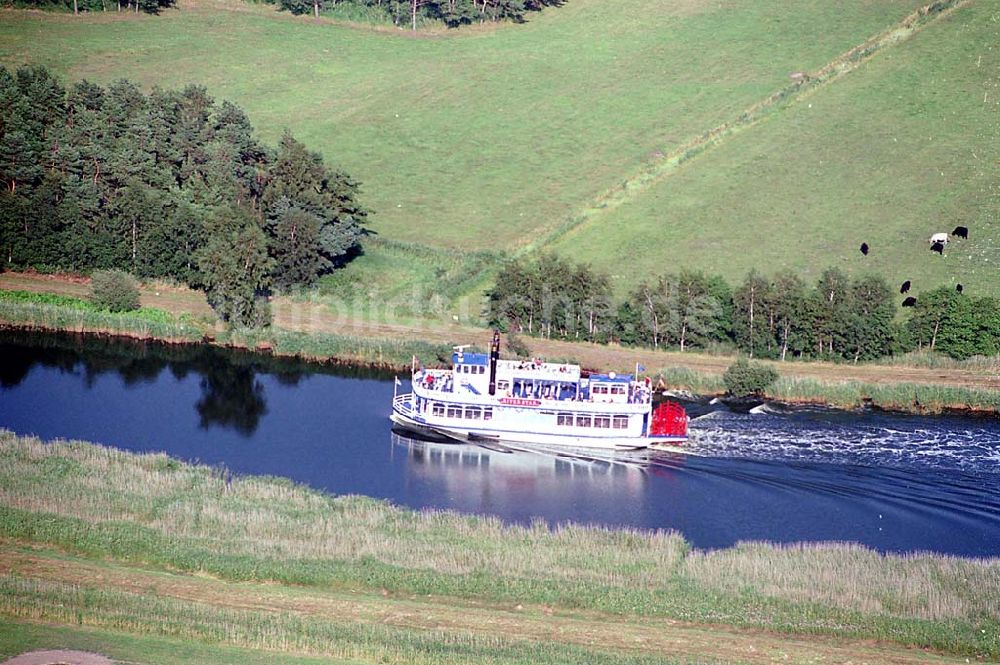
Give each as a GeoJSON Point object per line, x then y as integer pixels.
{"type": "Point", "coordinates": [483, 398]}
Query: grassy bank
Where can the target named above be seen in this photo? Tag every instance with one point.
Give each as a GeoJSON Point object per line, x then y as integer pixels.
{"type": "Point", "coordinates": [45, 311]}
{"type": "Point", "coordinates": [101, 504]}
{"type": "Point", "coordinates": [41, 311]}
{"type": "Point", "coordinates": [902, 396]}
{"type": "Point", "coordinates": [840, 386]}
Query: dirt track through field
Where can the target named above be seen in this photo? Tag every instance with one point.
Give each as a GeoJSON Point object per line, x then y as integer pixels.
{"type": "Point", "coordinates": [318, 318]}
{"type": "Point", "coordinates": [649, 636]}
{"type": "Point", "coordinates": [59, 657]}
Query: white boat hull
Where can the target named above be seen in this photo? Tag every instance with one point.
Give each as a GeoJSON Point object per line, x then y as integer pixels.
{"type": "Point", "coordinates": [531, 438]}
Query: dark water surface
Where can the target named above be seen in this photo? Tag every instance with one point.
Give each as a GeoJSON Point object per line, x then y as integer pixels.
{"type": "Point", "coordinates": [891, 482]}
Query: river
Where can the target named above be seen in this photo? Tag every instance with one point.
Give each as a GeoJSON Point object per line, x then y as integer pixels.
{"type": "Point", "coordinates": [894, 483]}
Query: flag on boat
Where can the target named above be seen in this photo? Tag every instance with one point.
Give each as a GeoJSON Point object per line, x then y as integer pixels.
{"type": "Point", "coordinates": [639, 368]}
{"type": "Point", "coordinates": [398, 382]}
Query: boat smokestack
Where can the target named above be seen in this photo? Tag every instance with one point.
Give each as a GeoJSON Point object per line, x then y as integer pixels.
{"type": "Point", "coordinates": [494, 357]}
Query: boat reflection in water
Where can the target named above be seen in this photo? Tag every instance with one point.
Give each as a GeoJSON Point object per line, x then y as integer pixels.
{"type": "Point", "coordinates": [531, 483]}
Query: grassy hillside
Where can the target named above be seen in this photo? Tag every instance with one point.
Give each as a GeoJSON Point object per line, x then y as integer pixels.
{"type": "Point", "coordinates": [490, 133]}
{"type": "Point", "coordinates": [474, 139]}
{"type": "Point", "coordinates": [489, 139]}
{"type": "Point", "coordinates": [903, 147]}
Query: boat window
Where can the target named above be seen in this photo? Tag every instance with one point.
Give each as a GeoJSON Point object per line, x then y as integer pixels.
{"type": "Point", "coordinates": [503, 385]}
{"type": "Point", "coordinates": [454, 411]}
{"type": "Point", "coordinates": [437, 409]}
{"type": "Point", "coordinates": [621, 422]}
{"type": "Point", "coordinates": [617, 390]}
{"type": "Point", "coordinates": [565, 419]}
{"type": "Point", "coordinates": [488, 413]}
{"type": "Point", "coordinates": [599, 390]}
{"type": "Point", "coordinates": [473, 412]}
{"type": "Point", "coordinates": [482, 370]}
{"type": "Point", "coordinates": [583, 421]}
{"type": "Point", "coordinates": [602, 421]}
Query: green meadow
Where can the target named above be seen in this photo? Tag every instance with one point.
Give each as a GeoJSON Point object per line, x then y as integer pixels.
{"type": "Point", "coordinates": [905, 146]}
{"type": "Point", "coordinates": [494, 138]}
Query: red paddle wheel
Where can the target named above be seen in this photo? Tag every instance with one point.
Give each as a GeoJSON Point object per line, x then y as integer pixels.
{"type": "Point", "coordinates": [669, 419]}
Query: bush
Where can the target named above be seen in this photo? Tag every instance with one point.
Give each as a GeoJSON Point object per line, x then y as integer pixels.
{"type": "Point", "coordinates": [744, 378]}
{"type": "Point", "coordinates": [115, 290]}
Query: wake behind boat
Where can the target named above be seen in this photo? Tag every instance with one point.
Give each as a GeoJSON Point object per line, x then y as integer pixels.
{"type": "Point", "coordinates": [484, 398]}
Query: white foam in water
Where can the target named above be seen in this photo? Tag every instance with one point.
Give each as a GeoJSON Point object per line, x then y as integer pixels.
{"type": "Point", "coordinates": [845, 438]}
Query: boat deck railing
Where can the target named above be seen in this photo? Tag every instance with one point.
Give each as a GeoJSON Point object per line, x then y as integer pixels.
{"type": "Point", "coordinates": [403, 403]}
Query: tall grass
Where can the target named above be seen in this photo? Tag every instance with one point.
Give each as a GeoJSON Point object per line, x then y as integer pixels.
{"type": "Point", "coordinates": [33, 311]}
{"type": "Point", "coordinates": [153, 510]}
{"type": "Point", "coordinates": [911, 397]}
{"type": "Point", "coordinates": [682, 378]}
{"type": "Point", "coordinates": [350, 349]}
{"type": "Point", "coordinates": [854, 577]}
{"type": "Point", "coordinates": [51, 312]}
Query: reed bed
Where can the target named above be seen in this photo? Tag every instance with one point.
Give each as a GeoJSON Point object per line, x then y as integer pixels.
{"type": "Point", "coordinates": [48, 312]}
{"type": "Point", "coordinates": [849, 576]}
{"type": "Point", "coordinates": [372, 351]}
{"type": "Point", "coordinates": [146, 323]}
{"type": "Point", "coordinates": [682, 378]}
{"type": "Point", "coordinates": [154, 510]}
{"type": "Point", "coordinates": [920, 398]}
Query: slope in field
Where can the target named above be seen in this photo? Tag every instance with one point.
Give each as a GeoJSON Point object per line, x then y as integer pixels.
{"type": "Point", "coordinates": [905, 146]}
{"type": "Point", "coordinates": [477, 139]}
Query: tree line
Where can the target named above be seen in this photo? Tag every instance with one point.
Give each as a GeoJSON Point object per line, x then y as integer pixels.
{"type": "Point", "coordinates": [166, 185]}
{"type": "Point", "coordinates": [77, 6]}
{"type": "Point", "coordinates": [778, 316]}
{"type": "Point", "coordinates": [453, 13]}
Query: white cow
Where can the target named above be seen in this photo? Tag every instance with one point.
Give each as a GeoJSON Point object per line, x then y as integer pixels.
{"type": "Point", "coordinates": [939, 237]}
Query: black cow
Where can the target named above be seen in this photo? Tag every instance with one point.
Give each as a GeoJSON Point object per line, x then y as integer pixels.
{"type": "Point", "coordinates": [959, 288]}
{"type": "Point", "coordinates": [910, 302]}
{"type": "Point", "coordinates": [864, 248]}
{"type": "Point", "coordinates": [905, 287]}
{"type": "Point", "coordinates": [938, 247]}
{"type": "Point", "coordinates": [961, 232]}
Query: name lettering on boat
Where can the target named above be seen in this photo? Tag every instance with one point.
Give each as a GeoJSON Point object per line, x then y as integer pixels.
{"type": "Point", "coordinates": [520, 401]}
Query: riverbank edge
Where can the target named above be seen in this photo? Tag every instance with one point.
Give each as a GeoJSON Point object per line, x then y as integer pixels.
{"type": "Point", "coordinates": [395, 355]}
{"type": "Point", "coordinates": [141, 518]}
